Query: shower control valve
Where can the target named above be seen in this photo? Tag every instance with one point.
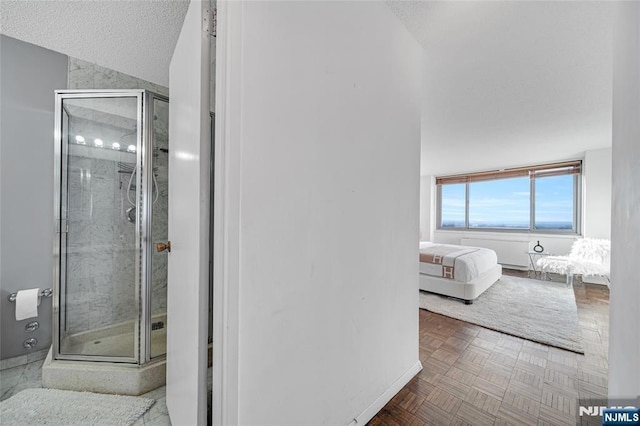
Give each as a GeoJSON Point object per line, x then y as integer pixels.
{"type": "Point", "coordinates": [32, 326]}
{"type": "Point", "coordinates": [30, 343]}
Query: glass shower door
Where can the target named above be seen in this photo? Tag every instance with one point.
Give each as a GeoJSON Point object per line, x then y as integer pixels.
{"type": "Point", "coordinates": [100, 193]}
{"type": "Point", "coordinates": [159, 119]}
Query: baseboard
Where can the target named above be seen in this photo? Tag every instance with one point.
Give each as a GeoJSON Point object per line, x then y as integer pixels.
{"type": "Point", "coordinates": [595, 280]}
{"type": "Point", "coordinates": [517, 267]}
{"type": "Point", "coordinates": [23, 359]}
{"type": "Point", "coordinates": [383, 399]}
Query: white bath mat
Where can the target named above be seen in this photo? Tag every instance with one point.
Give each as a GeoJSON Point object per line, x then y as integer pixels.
{"type": "Point", "coordinates": [37, 407]}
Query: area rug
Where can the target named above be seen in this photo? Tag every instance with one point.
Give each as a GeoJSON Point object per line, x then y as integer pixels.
{"type": "Point", "coordinates": [540, 311]}
{"type": "Point", "coordinates": [36, 407]}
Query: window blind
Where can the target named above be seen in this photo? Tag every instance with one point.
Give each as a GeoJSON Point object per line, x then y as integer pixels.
{"type": "Point", "coordinates": [546, 170]}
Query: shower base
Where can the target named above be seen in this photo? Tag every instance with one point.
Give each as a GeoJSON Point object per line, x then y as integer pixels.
{"type": "Point", "coordinates": [87, 376]}
{"type": "Point", "coordinates": [112, 344]}
{"type": "Point", "coordinates": [101, 377]}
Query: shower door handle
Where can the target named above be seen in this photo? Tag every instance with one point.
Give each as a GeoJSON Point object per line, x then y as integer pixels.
{"type": "Point", "coordinates": [162, 247]}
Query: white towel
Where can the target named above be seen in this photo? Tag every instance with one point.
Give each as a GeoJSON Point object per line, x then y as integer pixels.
{"type": "Point", "coordinates": [27, 302]}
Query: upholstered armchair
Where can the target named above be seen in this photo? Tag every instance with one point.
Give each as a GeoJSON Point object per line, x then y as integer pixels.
{"type": "Point", "coordinates": [588, 256]}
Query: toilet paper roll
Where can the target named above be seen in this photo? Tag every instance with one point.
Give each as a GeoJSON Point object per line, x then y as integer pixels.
{"type": "Point", "coordinates": [27, 302]}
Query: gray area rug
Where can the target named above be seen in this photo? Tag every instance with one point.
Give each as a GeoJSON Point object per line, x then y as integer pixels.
{"type": "Point", "coordinates": [58, 407]}
{"type": "Point", "coordinates": [540, 311]}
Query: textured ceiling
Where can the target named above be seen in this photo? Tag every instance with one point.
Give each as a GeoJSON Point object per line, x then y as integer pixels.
{"type": "Point", "coordinates": [505, 83]}
{"type": "Point", "coordinates": [511, 83]}
{"type": "Point", "coordinates": [134, 37]}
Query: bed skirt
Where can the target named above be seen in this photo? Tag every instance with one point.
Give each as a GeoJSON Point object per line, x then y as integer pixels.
{"type": "Point", "coordinates": [466, 291]}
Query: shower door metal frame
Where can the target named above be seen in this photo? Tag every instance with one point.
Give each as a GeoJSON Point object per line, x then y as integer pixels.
{"type": "Point", "coordinates": [147, 225]}
{"type": "Point", "coordinates": [60, 246]}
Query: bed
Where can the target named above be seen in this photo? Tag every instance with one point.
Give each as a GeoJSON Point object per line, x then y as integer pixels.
{"type": "Point", "coordinates": [457, 271]}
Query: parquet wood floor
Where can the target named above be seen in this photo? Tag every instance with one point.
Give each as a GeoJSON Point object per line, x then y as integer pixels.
{"type": "Point", "coordinates": [475, 376]}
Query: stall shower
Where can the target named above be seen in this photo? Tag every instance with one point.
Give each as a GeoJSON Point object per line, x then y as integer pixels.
{"type": "Point", "coordinates": [111, 204]}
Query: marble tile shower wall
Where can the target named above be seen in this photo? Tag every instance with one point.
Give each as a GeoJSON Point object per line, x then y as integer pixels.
{"type": "Point", "coordinates": [102, 254]}
{"type": "Point", "coordinates": [85, 75]}
{"type": "Point", "coordinates": [101, 250]}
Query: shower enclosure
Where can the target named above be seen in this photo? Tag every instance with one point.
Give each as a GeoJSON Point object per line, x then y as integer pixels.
{"type": "Point", "coordinates": [111, 203]}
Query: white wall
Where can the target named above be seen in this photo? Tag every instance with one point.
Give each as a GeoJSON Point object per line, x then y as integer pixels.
{"type": "Point", "coordinates": [624, 335]}
{"type": "Point", "coordinates": [556, 244]}
{"type": "Point", "coordinates": [597, 193]}
{"type": "Point", "coordinates": [328, 150]}
{"type": "Point", "coordinates": [427, 208]}
{"type": "Point", "coordinates": [29, 77]}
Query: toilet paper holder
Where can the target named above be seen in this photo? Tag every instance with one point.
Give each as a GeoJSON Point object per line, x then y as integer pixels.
{"type": "Point", "coordinates": [47, 292]}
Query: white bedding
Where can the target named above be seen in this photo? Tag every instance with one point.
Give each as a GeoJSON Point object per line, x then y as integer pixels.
{"type": "Point", "coordinates": [467, 266]}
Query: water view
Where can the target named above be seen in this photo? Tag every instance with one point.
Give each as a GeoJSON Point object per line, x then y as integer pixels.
{"type": "Point", "coordinates": [508, 203]}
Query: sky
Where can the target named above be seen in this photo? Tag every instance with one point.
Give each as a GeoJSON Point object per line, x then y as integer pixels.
{"type": "Point", "coordinates": [505, 202]}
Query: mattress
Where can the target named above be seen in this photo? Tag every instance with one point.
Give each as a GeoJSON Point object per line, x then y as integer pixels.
{"type": "Point", "coordinates": [468, 262]}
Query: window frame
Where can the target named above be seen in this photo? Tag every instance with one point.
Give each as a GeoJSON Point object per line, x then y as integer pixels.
{"type": "Point", "coordinates": [546, 170]}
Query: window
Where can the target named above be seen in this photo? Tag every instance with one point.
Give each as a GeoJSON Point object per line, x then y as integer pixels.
{"type": "Point", "coordinates": [526, 199]}
{"type": "Point", "coordinates": [555, 202]}
{"type": "Point", "coordinates": [453, 198]}
{"type": "Point", "coordinates": [500, 203]}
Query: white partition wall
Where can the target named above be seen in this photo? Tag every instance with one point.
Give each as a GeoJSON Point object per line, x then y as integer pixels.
{"type": "Point", "coordinates": [321, 147]}
{"type": "Point", "coordinates": [624, 340]}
